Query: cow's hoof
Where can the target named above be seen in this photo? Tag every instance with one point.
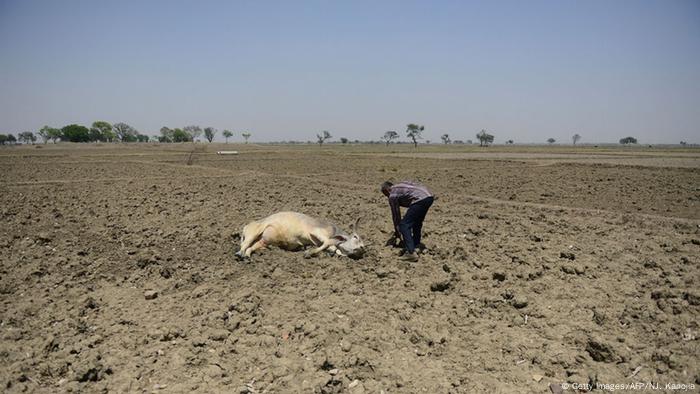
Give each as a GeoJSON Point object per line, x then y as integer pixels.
{"type": "Point", "coordinates": [241, 257]}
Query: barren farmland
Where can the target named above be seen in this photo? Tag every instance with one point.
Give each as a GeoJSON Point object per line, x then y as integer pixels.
{"type": "Point", "coordinates": [543, 266]}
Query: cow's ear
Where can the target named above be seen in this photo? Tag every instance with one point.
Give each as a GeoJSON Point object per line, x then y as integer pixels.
{"type": "Point", "coordinates": [340, 238]}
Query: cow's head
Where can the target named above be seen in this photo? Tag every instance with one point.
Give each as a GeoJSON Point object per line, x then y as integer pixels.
{"type": "Point", "coordinates": [351, 245]}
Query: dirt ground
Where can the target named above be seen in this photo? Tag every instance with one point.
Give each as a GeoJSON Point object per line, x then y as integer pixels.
{"type": "Point", "coordinates": [117, 271]}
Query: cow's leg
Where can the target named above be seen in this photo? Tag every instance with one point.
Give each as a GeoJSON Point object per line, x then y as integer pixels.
{"type": "Point", "coordinates": [251, 234]}
{"type": "Point", "coordinates": [323, 243]}
{"type": "Point", "coordinates": [265, 239]}
{"type": "Point", "coordinates": [315, 251]}
{"type": "Point", "coordinates": [258, 245]}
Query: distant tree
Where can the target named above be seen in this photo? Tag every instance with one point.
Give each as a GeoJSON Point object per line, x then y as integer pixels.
{"type": "Point", "coordinates": [343, 140]}
{"type": "Point", "coordinates": [3, 139]}
{"type": "Point", "coordinates": [576, 138]}
{"type": "Point", "coordinates": [445, 138]}
{"type": "Point", "coordinates": [509, 142]}
{"type": "Point", "coordinates": [75, 133]}
{"type": "Point", "coordinates": [11, 139]}
{"type": "Point", "coordinates": [209, 133]}
{"type": "Point", "coordinates": [484, 138]}
{"type": "Point", "coordinates": [390, 135]}
{"type": "Point", "coordinates": [683, 143]}
{"type": "Point", "coordinates": [27, 137]}
{"type": "Point", "coordinates": [180, 135]}
{"type": "Point", "coordinates": [46, 132]}
{"type": "Point", "coordinates": [49, 133]}
{"type": "Point", "coordinates": [94, 135]}
{"type": "Point", "coordinates": [323, 137]}
{"type": "Point", "coordinates": [227, 134]}
{"type": "Point", "coordinates": [246, 135]}
{"type": "Point", "coordinates": [413, 131]}
{"type": "Point", "coordinates": [109, 135]}
{"type": "Point", "coordinates": [551, 140]}
{"type": "Point", "coordinates": [124, 132]}
{"type": "Point", "coordinates": [469, 142]}
{"type": "Point", "coordinates": [166, 134]}
{"type": "Point", "coordinates": [628, 140]}
{"type": "Point", "coordinates": [142, 138]}
{"type": "Point", "coordinates": [193, 131]}
{"type": "Point", "coordinates": [101, 131]}
{"type": "Point", "coordinates": [55, 134]}
{"type": "Point", "coordinates": [458, 142]}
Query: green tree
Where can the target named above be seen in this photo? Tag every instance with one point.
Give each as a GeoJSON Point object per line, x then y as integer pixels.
{"type": "Point", "coordinates": [343, 140]}
{"type": "Point", "coordinates": [46, 133]}
{"type": "Point", "coordinates": [3, 139]}
{"type": "Point", "coordinates": [209, 133]}
{"type": "Point", "coordinates": [180, 135]}
{"type": "Point", "coordinates": [166, 134]}
{"type": "Point", "coordinates": [124, 132]}
{"type": "Point", "coordinates": [323, 137]}
{"type": "Point", "coordinates": [142, 138]}
{"type": "Point", "coordinates": [193, 131]}
{"type": "Point", "coordinates": [109, 135]}
{"type": "Point", "coordinates": [484, 138]}
{"type": "Point", "coordinates": [628, 140]}
{"type": "Point", "coordinates": [227, 134]}
{"type": "Point", "coordinates": [445, 138]}
{"type": "Point", "coordinates": [95, 135]}
{"type": "Point", "coordinates": [413, 131]}
{"type": "Point", "coordinates": [246, 135]}
{"type": "Point", "coordinates": [551, 140]}
{"type": "Point", "coordinates": [390, 135]}
{"type": "Point", "coordinates": [75, 133]}
{"type": "Point", "coordinates": [27, 137]}
{"type": "Point", "coordinates": [101, 131]}
{"type": "Point", "coordinates": [576, 138]}
{"type": "Point", "coordinates": [55, 134]}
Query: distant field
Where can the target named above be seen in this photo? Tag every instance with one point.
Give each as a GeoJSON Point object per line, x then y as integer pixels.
{"type": "Point", "coordinates": [545, 265]}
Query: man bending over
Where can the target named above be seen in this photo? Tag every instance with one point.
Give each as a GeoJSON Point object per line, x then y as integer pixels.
{"type": "Point", "coordinates": [418, 199]}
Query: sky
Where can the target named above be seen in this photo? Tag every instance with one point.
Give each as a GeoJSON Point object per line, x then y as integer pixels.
{"type": "Point", "coordinates": [287, 70]}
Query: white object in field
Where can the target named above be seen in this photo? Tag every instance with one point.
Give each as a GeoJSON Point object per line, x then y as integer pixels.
{"type": "Point", "coordinates": [227, 152]}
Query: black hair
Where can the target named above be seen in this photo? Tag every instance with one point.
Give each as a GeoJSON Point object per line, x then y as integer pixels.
{"type": "Point", "coordinates": [386, 185]}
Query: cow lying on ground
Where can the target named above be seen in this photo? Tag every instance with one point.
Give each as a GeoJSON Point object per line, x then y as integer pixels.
{"type": "Point", "coordinates": [293, 231]}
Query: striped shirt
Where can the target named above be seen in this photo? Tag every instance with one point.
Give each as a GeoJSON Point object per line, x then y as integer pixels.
{"type": "Point", "coordinates": [403, 194]}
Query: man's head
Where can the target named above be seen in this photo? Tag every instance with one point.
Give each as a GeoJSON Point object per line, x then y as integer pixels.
{"type": "Point", "coordinates": [386, 188]}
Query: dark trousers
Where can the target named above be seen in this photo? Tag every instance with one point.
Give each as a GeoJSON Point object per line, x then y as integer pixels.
{"type": "Point", "coordinates": [412, 223]}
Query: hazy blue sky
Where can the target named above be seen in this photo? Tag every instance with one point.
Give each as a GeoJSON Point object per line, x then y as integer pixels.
{"type": "Point", "coordinates": [525, 70]}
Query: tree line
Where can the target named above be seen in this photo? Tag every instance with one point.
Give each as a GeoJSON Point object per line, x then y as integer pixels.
{"type": "Point", "coordinates": [102, 131]}
{"type": "Point", "coordinates": [415, 132]}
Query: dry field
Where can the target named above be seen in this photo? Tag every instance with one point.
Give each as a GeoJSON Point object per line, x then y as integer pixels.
{"type": "Point", "coordinates": [544, 266]}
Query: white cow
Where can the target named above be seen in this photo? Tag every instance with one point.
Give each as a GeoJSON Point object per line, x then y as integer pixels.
{"type": "Point", "coordinates": [293, 231]}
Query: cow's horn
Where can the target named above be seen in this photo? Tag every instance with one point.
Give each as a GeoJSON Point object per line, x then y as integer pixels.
{"type": "Point", "coordinates": [354, 225]}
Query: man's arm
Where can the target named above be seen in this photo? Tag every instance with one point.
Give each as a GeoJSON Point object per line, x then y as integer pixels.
{"type": "Point", "coordinates": [395, 214]}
